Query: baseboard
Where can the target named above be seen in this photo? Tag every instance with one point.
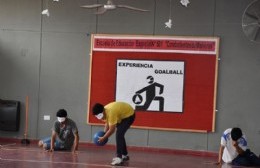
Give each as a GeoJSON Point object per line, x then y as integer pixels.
{"type": "Point", "coordinates": [134, 148]}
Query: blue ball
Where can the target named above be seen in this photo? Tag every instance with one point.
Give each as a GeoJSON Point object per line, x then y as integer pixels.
{"type": "Point", "coordinates": [96, 137]}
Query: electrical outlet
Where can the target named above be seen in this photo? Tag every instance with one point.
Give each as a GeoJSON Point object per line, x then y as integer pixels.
{"type": "Point", "coordinates": [46, 117]}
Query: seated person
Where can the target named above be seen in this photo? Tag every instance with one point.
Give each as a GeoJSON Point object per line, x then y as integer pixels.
{"type": "Point", "coordinates": [64, 134]}
{"type": "Point", "coordinates": [234, 150]}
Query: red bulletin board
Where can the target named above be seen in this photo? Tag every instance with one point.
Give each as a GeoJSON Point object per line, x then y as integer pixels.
{"type": "Point", "coordinates": [186, 68]}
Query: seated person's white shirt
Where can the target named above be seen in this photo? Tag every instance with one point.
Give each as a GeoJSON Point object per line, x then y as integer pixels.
{"type": "Point", "coordinates": [230, 152]}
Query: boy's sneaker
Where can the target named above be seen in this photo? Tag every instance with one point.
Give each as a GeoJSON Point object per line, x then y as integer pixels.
{"type": "Point", "coordinates": [117, 161]}
{"type": "Point", "coordinates": [125, 157]}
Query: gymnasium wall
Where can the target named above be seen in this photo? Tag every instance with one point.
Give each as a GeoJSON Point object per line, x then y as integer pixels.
{"type": "Point", "coordinates": [47, 58]}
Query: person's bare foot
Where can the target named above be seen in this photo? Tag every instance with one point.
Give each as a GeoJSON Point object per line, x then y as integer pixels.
{"type": "Point", "coordinates": [40, 144]}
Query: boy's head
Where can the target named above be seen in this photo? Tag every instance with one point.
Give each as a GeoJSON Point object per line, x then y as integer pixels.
{"type": "Point", "coordinates": [236, 133]}
{"type": "Point", "coordinates": [61, 115]}
{"type": "Point", "coordinates": [98, 110]}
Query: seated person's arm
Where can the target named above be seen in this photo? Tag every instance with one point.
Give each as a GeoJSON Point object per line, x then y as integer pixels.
{"type": "Point", "coordinates": [76, 142]}
{"type": "Point", "coordinates": [238, 149]}
{"type": "Point", "coordinates": [53, 136]}
{"type": "Point", "coordinates": [220, 154]}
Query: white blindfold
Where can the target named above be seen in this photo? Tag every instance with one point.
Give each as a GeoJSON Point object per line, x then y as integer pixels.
{"type": "Point", "coordinates": [99, 116]}
{"type": "Point", "coordinates": [61, 119]}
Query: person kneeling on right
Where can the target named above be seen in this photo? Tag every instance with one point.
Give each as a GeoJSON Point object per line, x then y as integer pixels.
{"type": "Point", "coordinates": [234, 150]}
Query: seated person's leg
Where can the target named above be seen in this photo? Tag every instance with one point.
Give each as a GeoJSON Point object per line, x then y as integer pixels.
{"type": "Point", "coordinates": [255, 160]}
{"type": "Point", "coordinates": [242, 160]}
{"type": "Point", "coordinates": [45, 143]}
{"type": "Point", "coordinates": [58, 145]}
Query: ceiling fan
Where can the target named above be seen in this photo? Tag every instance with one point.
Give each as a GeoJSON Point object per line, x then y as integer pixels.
{"type": "Point", "coordinates": [251, 21]}
{"type": "Point", "coordinates": [102, 8]}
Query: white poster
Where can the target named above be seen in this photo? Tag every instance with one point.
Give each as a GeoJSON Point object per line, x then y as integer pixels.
{"type": "Point", "coordinates": [151, 85]}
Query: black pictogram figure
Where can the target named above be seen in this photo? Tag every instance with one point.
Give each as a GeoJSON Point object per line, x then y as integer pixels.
{"type": "Point", "coordinates": [150, 95]}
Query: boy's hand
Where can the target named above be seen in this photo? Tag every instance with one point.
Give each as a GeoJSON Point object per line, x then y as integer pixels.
{"type": "Point", "coordinates": [218, 163]}
{"type": "Point", "coordinates": [50, 150]}
{"type": "Point", "coordinates": [235, 143]}
{"type": "Point", "coordinates": [101, 139]}
{"type": "Point", "coordinates": [74, 152]}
